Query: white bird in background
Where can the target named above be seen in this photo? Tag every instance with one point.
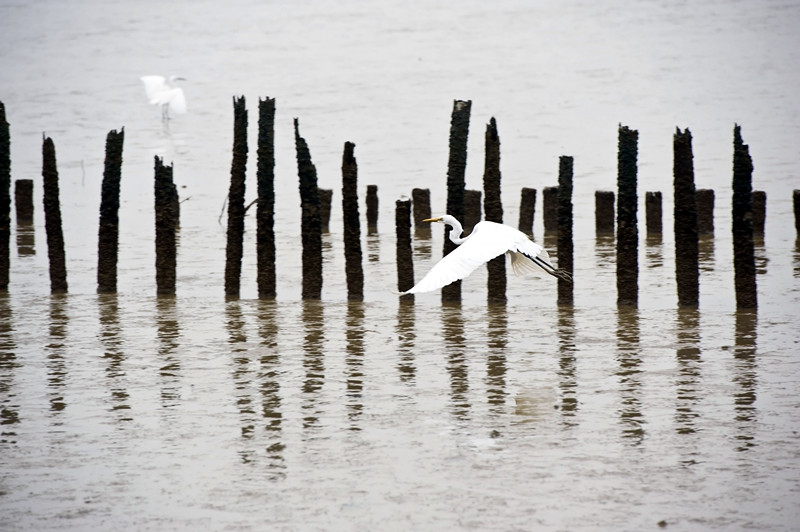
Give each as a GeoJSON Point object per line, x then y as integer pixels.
{"type": "Point", "coordinates": [161, 91]}
{"type": "Point", "coordinates": [487, 241]}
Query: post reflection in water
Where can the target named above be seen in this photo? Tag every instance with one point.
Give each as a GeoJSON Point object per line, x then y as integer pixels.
{"type": "Point", "coordinates": [454, 342]}
{"type": "Point", "coordinates": [745, 378]}
{"type": "Point", "coordinates": [168, 333]}
{"type": "Point", "coordinates": [496, 361]}
{"type": "Point", "coordinates": [373, 247]}
{"type": "Point", "coordinates": [354, 361]}
{"type": "Point", "coordinates": [9, 409]}
{"type": "Point", "coordinates": [313, 361]}
{"type": "Point", "coordinates": [797, 257]}
{"type": "Point", "coordinates": [567, 381]}
{"type": "Point", "coordinates": [108, 305]}
{"type": "Point", "coordinates": [422, 243]}
{"type": "Point", "coordinates": [705, 253]}
{"type": "Point", "coordinates": [406, 366]}
{"type": "Point", "coordinates": [654, 251]}
{"type": "Point", "coordinates": [688, 385]}
{"type": "Point", "coordinates": [242, 373]}
{"type": "Point", "coordinates": [56, 366]}
{"type": "Point", "coordinates": [269, 385]}
{"type": "Point", "coordinates": [605, 252]}
{"type": "Point", "coordinates": [760, 254]}
{"type": "Point", "coordinates": [629, 360]}
{"type": "Point", "coordinates": [26, 239]}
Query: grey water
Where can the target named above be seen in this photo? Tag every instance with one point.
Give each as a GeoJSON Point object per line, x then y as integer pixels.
{"type": "Point", "coordinates": [133, 412]}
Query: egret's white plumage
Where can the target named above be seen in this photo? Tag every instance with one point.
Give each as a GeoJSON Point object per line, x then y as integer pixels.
{"type": "Point", "coordinates": [487, 241]}
{"type": "Point", "coordinates": [161, 91]}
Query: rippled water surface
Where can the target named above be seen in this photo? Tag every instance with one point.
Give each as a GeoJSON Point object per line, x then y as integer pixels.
{"type": "Point", "coordinates": [133, 412]}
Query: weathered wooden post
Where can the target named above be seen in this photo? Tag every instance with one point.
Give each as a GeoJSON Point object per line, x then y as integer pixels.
{"type": "Point", "coordinates": [325, 199]}
{"type": "Point", "coordinates": [5, 199]}
{"type": "Point", "coordinates": [604, 219]}
{"type": "Point", "coordinates": [311, 225]}
{"type": "Point", "coordinates": [265, 210]}
{"type": "Point", "coordinates": [421, 204]}
{"type": "Point", "coordinates": [108, 232]}
{"type": "Point", "coordinates": [234, 248]}
{"type": "Point", "coordinates": [550, 209]}
{"type": "Point", "coordinates": [742, 224]}
{"type": "Point", "coordinates": [472, 209]}
{"type": "Point", "coordinates": [687, 273]}
{"type": "Point", "coordinates": [565, 244]}
{"type": "Point", "coordinates": [527, 208]}
{"type": "Point", "coordinates": [405, 258]}
{"type": "Point", "coordinates": [627, 230]}
{"type": "Point", "coordinates": [372, 209]}
{"type": "Point", "coordinates": [493, 208]}
{"type": "Point", "coordinates": [352, 225]}
{"type": "Point", "coordinates": [166, 224]}
{"type": "Point", "coordinates": [456, 170]}
{"type": "Point", "coordinates": [23, 200]}
{"type": "Point", "coordinates": [705, 211]}
{"type": "Point", "coordinates": [796, 204]}
{"type": "Point", "coordinates": [759, 212]}
{"type": "Point", "coordinates": [52, 219]}
{"type": "Point", "coordinates": [653, 212]}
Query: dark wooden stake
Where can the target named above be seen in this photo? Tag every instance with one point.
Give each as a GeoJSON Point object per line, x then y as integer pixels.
{"type": "Point", "coordinates": [108, 232]}
{"type": "Point", "coordinates": [23, 200]}
{"type": "Point", "coordinates": [493, 208]}
{"type": "Point", "coordinates": [653, 213]}
{"type": "Point", "coordinates": [52, 219]}
{"type": "Point", "coordinates": [325, 199]}
{"type": "Point", "coordinates": [742, 224]}
{"type": "Point", "coordinates": [472, 209]}
{"type": "Point", "coordinates": [627, 230]}
{"type": "Point", "coordinates": [704, 199]}
{"type": "Point", "coordinates": [405, 258]}
{"type": "Point", "coordinates": [565, 244]}
{"type": "Point", "coordinates": [527, 209]}
{"type": "Point", "coordinates": [311, 225]}
{"type": "Point", "coordinates": [421, 203]}
{"type": "Point", "coordinates": [166, 224]}
{"type": "Point", "coordinates": [265, 210]}
{"type": "Point", "coordinates": [5, 199]}
{"type": "Point", "coordinates": [796, 204]}
{"type": "Point", "coordinates": [759, 212]}
{"type": "Point", "coordinates": [550, 209]}
{"type": "Point", "coordinates": [372, 209]}
{"type": "Point", "coordinates": [352, 225]}
{"type": "Point", "coordinates": [456, 170]}
{"type": "Point", "coordinates": [687, 273]}
{"type": "Point", "coordinates": [604, 219]}
{"type": "Point", "coordinates": [234, 248]}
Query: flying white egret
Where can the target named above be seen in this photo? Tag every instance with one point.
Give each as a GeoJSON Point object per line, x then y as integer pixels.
{"type": "Point", "coordinates": [487, 241]}
{"type": "Point", "coordinates": [161, 91]}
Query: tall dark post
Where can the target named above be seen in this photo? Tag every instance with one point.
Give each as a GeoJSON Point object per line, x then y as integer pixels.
{"type": "Point", "coordinates": [372, 208]}
{"type": "Point", "coordinates": [687, 273]}
{"type": "Point", "coordinates": [311, 225]}
{"type": "Point", "coordinates": [234, 248]}
{"type": "Point", "coordinates": [52, 219]}
{"type": "Point", "coordinates": [472, 209]}
{"type": "Point", "coordinates": [166, 224]}
{"type": "Point", "coordinates": [759, 212]}
{"type": "Point", "coordinates": [550, 209]}
{"type": "Point", "coordinates": [352, 225]}
{"type": "Point", "coordinates": [493, 209]}
{"type": "Point", "coordinates": [108, 232]}
{"type": "Point", "coordinates": [405, 258]}
{"type": "Point", "coordinates": [5, 199]}
{"type": "Point", "coordinates": [653, 213]}
{"type": "Point", "coordinates": [565, 244]}
{"type": "Point", "coordinates": [456, 170]}
{"type": "Point", "coordinates": [325, 199]}
{"type": "Point", "coordinates": [604, 212]}
{"type": "Point", "coordinates": [705, 211]}
{"type": "Point", "coordinates": [527, 208]}
{"type": "Point", "coordinates": [265, 210]}
{"type": "Point", "coordinates": [627, 230]}
{"type": "Point", "coordinates": [742, 224]}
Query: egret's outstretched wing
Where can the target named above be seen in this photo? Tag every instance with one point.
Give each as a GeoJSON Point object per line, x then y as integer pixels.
{"type": "Point", "coordinates": [487, 241]}
{"type": "Point", "coordinates": [153, 86]}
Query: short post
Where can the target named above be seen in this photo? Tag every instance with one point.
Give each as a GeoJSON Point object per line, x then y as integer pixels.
{"type": "Point", "coordinates": [52, 219]}
{"type": "Point", "coordinates": [234, 248]}
{"type": "Point", "coordinates": [742, 224]}
{"type": "Point", "coordinates": [687, 273]}
{"type": "Point", "coordinates": [166, 224]}
{"type": "Point", "coordinates": [372, 209]}
{"type": "Point", "coordinates": [108, 232]}
{"type": "Point", "coordinates": [705, 211]}
{"type": "Point", "coordinates": [325, 199]}
{"type": "Point", "coordinates": [627, 230]}
{"type": "Point", "coordinates": [352, 225]}
{"type": "Point", "coordinates": [493, 207]}
{"type": "Point", "coordinates": [796, 204]}
{"type": "Point", "coordinates": [311, 226]}
{"type": "Point", "coordinates": [653, 212]}
{"type": "Point", "coordinates": [604, 219]}
{"type": "Point", "coordinates": [405, 258]}
{"type": "Point", "coordinates": [265, 210]}
{"type": "Point", "coordinates": [23, 200]}
{"type": "Point", "coordinates": [565, 244]}
{"type": "Point", "coordinates": [5, 199]}
{"type": "Point", "coordinates": [550, 209]}
{"type": "Point", "coordinates": [472, 209]}
{"type": "Point", "coordinates": [527, 208]}
{"type": "Point", "coordinates": [759, 212]}
{"type": "Point", "coordinates": [421, 203]}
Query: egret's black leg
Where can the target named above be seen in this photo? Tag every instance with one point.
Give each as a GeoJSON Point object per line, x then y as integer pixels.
{"type": "Point", "coordinates": [560, 272]}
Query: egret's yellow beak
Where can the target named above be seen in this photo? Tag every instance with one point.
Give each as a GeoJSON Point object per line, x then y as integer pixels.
{"type": "Point", "coordinates": [432, 220]}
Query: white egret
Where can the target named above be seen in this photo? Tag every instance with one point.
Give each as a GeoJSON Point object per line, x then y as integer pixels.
{"type": "Point", "coordinates": [487, 241]}
{"type": "Point", "coordinates": [161, 91]}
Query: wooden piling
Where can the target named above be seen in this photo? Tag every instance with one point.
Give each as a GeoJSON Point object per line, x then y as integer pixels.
{"type": "Point", "coordinates": [565, 243]}
{"type": "Point", "coordinates": [456, 170]}
{"type": "Point", "coordinates": [527, 209]}
{"type": "Point", "coordinates": [311, 225]}
{"type": "Point", "coordinates": [23, 200]}
{"type": "Point", "coordinates": [372, 209]}
{"type": "Point", "coordinates": [796, 204]}
{"type": "Point", "coordinates": [108, 231]}
{"type": "Point", "coordinates": [627, 230]}
{"type": "Point", "coordinates": [604, 219]}
{"type": "Point", "coordinates": [234, 248]}
{"type": "Point", "coordinates": [472, 209]}
{"type": "Point", "coordinates": [166, 224]}
{"type": "Point", "coordinates": [421, 204]}
{"type": "Point", "coordinates": [405, 258]}
{"type": "Point", "coordinates": [687, 259]}
{"type": "Point", "coordinates": [704, 198]}
{"type": "Point", "coordinates": [352, 225]}
{"type": "Point", "coordinates": [653, 212]}
{"type": "Point", "coordinates": [265, 210]}
{"type": "Point", "coordinates": [493, 209]}
{"type": "Point", "coordinates": [5, 199]}
{"type": "Point", "coordinates": [52, 219]}
{"type": "Point", "coordinates": [742, 224]}
{"type": "Point", "coordinates": [759, 212]}
{"type": "Point", "coordinates": [325, 199]}
{"type": "Point", "coordinates": [550, 209]}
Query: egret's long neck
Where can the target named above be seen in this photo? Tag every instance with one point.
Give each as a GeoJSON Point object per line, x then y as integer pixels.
{"type": "Point", "coordinates": [455, 232]}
